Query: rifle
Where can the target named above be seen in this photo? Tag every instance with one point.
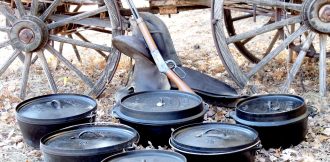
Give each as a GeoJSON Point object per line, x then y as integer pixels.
{"type": "Point", "coordinates": [160, 63]}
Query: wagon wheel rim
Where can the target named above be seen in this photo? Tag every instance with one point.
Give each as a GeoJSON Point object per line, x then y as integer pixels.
{"type": "Point", "coordinates": [29, 34]}
{"type": "Point", "coordinates": [314, 19]}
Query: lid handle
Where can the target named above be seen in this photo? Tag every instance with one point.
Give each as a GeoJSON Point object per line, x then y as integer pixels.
{"type": "Point", "coordinates": [207, 133]}
{"type": "Point", "coordinates": [85, 132]}
{"type": "Point", "coordinates": [56, 104]}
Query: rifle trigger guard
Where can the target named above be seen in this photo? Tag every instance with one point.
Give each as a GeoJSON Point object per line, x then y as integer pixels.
{"type": "Point", "coordinates": [176, 69]}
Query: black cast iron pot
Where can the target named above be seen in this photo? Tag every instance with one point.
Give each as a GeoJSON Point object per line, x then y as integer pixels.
{"type": "Point", "coordinates": [90, 142]}
{"type": "Point", "coordinates": [44, 114]}
{"type": "Point", "coordinates": [216, 142]}
{"type": "Point", "coordinates": [154, 114]}
{"type": "Point", "coordinates": [280, 119]}
{"type": "Point", "coordinates": [147, 156]}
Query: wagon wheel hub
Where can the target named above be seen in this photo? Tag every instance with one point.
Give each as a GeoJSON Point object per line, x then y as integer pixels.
{"type": "Point", "coordinates": [28, 34]}
{"type": "Point", "coordinates": [317, 15]}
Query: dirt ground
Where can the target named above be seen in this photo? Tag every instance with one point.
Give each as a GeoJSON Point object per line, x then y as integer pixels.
{"type": "Point", "coordinates": [191, 33]}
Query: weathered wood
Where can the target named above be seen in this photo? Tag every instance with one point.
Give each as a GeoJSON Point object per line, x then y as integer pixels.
{"type": "Point", "coordinates": [20, 8]}
{"type": "Point", "coordinates": [272, 43]}
{"type": "Point", "coordinates": [161, 3]}
{"type": "Point", "coordinates": [50, 9]}
{"type": "Point", "coordinates": [34, 7]}
{"type": "Point", "coordinates": [8, 62]}
{"type": "Point", "coordinates": [82, 76]}
{"type": "Point", "coordinates": [277, 50]}
{"type": "Point", "coordinates": [264, 29]}
{"type": "Point", "coordinates": [290, 55]}
{"type": "Point", "coordinates": [323, 65]}
{"type": "Point", "coordinates": [4, 29]}
{"type": "Point", "coordinates": [80, 43]}
{"type": "Point", "coordinates": [4, 44]}
{"type": "Point", "coordinates": [113, 60]}
{"type": "Point", "coordinates": [226, 56]}
{"type": "Point", "coordinates": [272, 3]}
{"type": "Point", "coordinates": [74, 18]}
{"type": "Point", "coordinates": [75, 49]}
{"type": "Point", "coordinates": [296, 66]}
{"type": "Point", "coordinates": [7, 13]}
{"type": "Point", "coordinates": [25, 74]}
{"type": "Point", "coordinates": [46, 69]}
{"type": "Point", "coordinates": [87, 21]}
{"type": "Point", "coordinates": [86, 40]}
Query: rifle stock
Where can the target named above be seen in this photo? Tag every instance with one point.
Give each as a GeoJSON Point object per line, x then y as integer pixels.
{"type": "Point", "coordinates": [160, 63]}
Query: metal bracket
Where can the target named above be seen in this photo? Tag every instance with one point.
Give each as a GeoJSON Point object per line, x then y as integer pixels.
{"type": "Point", "coordinates": [176, 69]}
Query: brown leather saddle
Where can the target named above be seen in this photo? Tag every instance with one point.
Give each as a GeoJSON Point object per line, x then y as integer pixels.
{"type": "Point", "coordinates": [146, 77]}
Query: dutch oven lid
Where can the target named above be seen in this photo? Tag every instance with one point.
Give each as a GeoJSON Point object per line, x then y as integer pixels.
{"type": "Point", "coordinates": [160, 105]}
{"type": "Point", "coordinates": [271, 103]}
{"type": "Point", "coordinates": [214, 138]}
{"type": "Point", "coordinates": [147, 156]}
{"type": "Point", "coordinates": [55, 106]}
{"type": "Point", "coordinates": [271, 107]}
{"type": "Point", "coordinates": [87, 138]}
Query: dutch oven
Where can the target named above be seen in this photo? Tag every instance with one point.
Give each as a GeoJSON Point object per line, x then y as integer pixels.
{"type": "Point", "coordinates": [44, 114]}
{"type": "Point", "coordinates": [153, 114]}
{"type": "Point", "coordinates": [89, 142]}
{"type": "Point", "coordinates": [147, 156]}
{"type": "Point", "coordinates": [280, 119]}
{"type": "Point", "coordinates": [216, 142]}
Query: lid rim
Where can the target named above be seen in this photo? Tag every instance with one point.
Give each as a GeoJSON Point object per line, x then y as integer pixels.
{"type": "Point", "coordinates": [216, 151]}
{"type": "Point", "coordinates": [48, 149]}
{"type": "Point", "coordinates": [137, 152]}
{"type": "Point", "coordinates": [239, 104]}
{"type": "Point", "coordinates": [155, 122]}
{"type": "Point", "coordinates": [195, 109]}
{"type": "Point", "coordinates": [33, 100]}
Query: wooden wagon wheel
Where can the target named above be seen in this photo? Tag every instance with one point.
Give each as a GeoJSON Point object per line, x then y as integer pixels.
{"type": "Point", "coordinates": [312, 17]}
{"type": "Point", "coordinates": [32, 28]}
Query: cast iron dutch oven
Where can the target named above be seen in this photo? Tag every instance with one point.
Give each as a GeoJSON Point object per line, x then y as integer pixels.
{"type": "Point", "coordinates": [44, 114]}
{"type": "Point", "coordinates": [153, 114]}
{"type": "Point", "coordinates": [147, 156]}
{"type": "Point", "coordinates": [280, 119]}
{"type": "Point", "coordinates": [216, 142]}
{"type": "Point", "coordinates": [90, 142]}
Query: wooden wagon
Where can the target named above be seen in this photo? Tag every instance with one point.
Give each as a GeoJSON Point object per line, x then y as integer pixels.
{"type": "Point", "coordinates": [34, 27]}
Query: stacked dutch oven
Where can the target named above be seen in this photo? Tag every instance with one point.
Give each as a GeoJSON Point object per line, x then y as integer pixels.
{"type": "Point", "coordinates": [280, 119]}
{"type": "Point", "coordinates": [62, 125]}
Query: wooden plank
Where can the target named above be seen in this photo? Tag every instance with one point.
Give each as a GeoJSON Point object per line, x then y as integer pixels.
{"type": "Point", "coordinates": [178, 3]}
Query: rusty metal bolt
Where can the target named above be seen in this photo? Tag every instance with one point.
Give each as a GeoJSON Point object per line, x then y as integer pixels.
{"type": "Point", "coordinates": [324, 13]}
{"type": "Point", "coordinates": [26, 36]}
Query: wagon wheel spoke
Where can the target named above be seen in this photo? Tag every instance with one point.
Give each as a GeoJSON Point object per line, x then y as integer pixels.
{"type": "Point", "coordinates": [48, 74]}
{"type": "Point", "coordinates": [264, 29]}
{"type": "Point", "coordinates": [10, 60]}
{"type": "Point", "coordinates": [20, 8]}
{"type": "Point", "coordinates": [4, 44]}
{"type": "Point", "coordinates": [6, 11]}
{"type": "Point", "coordinates": [323, 64]}
{"type": "Point", "coordinates": [82, 76]}
{"type": "Point", "coordinates": [72, 19]}
{"type": "Point", "coordinates": [50, 9]}
{"type": "Point", "coordinates": [4, 29]}
{"type": "Point", "coordinates": [25, 74]}
{"type": "Point", "coordinates": [272, 43]}
{"type": "Point", "coordinates": [60, 50]}
{"type": "Point", "coordinates": [75, 49]}
{"type": "Point", "coordinates": [34, 7]}
{"type": "Point", "coordinates": [80, 43]}
{"type": "Point", "coordinates": [86, 40]}
{"type": "Point", "coordinates": [276, 51]}
{"type": "Point", "coordinates": [296, 66]}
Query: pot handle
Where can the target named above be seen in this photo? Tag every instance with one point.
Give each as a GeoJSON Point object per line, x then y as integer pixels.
{"type": "Point", "coordinates": [312, 111]}
{"type": "Point", "coordinates": [56, 104]}
{"type": "Point", "coordinates": [207, 134]}
{"type": "Point", "coordinates": [85, 132]}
